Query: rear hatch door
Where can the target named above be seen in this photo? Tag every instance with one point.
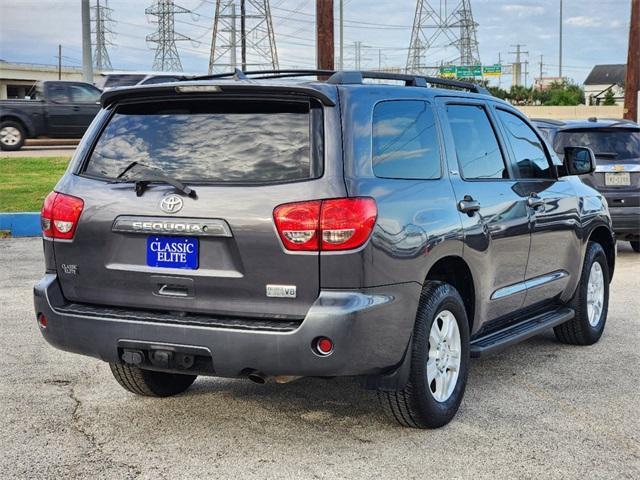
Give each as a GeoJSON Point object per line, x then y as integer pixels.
{"type": "Point", "coordinates": [218, 251]}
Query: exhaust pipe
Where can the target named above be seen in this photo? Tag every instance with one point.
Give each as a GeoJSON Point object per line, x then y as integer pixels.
{"type": "Point", "coordinates": [257, 377]}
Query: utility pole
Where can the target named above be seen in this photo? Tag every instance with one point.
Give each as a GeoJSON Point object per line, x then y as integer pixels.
{"type": "Point", "coordinates": [59, 62]}
{"type": "Point", "coordinates": [500, 63]}
{"type": "Point", "coordinates": [324, 35]}
{"type": "Point", "coordinates": [243, 34]}
{"type": "Point", "coordinates": [87, 62]}
{"type": "Point", "coordinates": [560, 46]}
{"type": "Point", "coordinates": [526, 73]}
{"type": "Point", "coordinates": [632, 81]}
{"type": "Point", "coordinates": [379, 60]}
{"type": "Point", "coordinates": [517, 65]}
{"type": "Point", "coordinates": [234, 61]}
{"type": "Point", "coordinates": [341, 35]}
{"type": "Point", "coordinates": [358, 47]}
{"type": "Point", "coordinates": [541, 72]}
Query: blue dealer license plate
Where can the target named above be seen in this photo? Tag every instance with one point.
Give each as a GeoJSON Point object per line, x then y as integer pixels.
{"type": "Point", "coordinates": [172, 252]}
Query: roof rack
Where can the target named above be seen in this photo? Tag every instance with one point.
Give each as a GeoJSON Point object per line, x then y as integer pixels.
{"type": "Point", "coordinates": [350, 77]}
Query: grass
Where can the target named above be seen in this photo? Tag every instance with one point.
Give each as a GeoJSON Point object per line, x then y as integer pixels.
{"type": "Point", "coordinates": [25, 181]}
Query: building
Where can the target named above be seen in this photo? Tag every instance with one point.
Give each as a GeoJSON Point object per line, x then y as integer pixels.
{"type": "Point", "coordinates": [545, 83]}
{"type": "Point", "coordinates": [603, 78]}
{"type": "Point", "coordinates": [17, 79]}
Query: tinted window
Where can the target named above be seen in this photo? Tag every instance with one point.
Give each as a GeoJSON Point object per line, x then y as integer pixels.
{"type": "Point", "coordinates": [83, 94]}
{"type": "Point", "coordinates": [405, 141]}
{"type": "Point", "coordinates": [122, 80]}
{"type": "Point", "coordinates": [477, 147]}
{"type": "Point", "coordinates": [153, 80]}
{"type": "Point", "coordinates": [57, 93]}
{"type": "Point", "coordinates": [607, 144]}
{"type": "Point", "coordinates": [530, 156]}
{"type": "Point", "coordinates": [211, 141]}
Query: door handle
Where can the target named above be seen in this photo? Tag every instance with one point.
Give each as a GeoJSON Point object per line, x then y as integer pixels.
{"type": "Point", "coordinates": [468, 205]}
{"type": "Point", "coordinates": [534, 201]}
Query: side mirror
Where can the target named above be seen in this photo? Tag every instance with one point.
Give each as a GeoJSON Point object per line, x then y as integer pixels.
{"type": "Point", "coordinates": [579, 161]}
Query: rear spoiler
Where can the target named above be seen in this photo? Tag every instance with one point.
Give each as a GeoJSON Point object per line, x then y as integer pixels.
{"type": "Point", "coordinates": [178, 88]}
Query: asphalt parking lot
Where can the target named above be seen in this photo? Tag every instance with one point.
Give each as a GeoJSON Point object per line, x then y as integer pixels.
{"type": "Point", "coordinates": [539, 410]}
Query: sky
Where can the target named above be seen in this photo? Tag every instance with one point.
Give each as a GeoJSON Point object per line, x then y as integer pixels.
{"type": "Point", "coordinates": [595, 32]}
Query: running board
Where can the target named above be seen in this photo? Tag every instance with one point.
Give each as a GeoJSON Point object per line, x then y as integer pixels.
{"type": "Point", "coordinates": [496, 341]}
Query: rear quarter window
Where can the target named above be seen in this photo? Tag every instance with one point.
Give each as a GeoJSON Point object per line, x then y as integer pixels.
{"type": "Point", "coordinates": [222, 141]}
{"type": "Point", "coordinates": [405, 141]}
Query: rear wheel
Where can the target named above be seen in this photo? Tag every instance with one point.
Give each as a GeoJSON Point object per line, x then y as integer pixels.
{"type": "Point", "coordinates": [590, 302]}
{"type": "Point", "coordinates": [635, 245]}
{"type": "Point", "coordinates": [439, 362]}
{"type": "Point", "coordinates": [150, 383]}
{"type": "Point", "coordinates": [12, 135]}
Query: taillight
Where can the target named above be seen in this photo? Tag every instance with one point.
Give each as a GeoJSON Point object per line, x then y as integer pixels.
{"type": "Point", "coordinates": [297, 224]}
{"type": "Point", "coordinates": [60, 214]}
{"type": "Point", "coordinates": [334, 224]}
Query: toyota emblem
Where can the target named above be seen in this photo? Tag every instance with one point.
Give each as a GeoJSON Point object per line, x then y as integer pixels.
{"type": "Point", "coordinates": [171, 204]}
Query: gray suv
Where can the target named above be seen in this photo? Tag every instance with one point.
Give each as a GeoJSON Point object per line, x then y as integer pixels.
{"type": "Point", "coordinates": [270, 228]}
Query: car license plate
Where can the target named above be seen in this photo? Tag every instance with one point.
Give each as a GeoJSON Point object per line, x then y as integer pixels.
{"type": "Point", "coordinates": [172, 252]}
{"type": "Point", "coordinates": [618, 179]}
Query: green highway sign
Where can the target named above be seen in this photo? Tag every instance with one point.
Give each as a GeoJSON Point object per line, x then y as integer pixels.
{"type": "Point", "coordinates": [471, 71]}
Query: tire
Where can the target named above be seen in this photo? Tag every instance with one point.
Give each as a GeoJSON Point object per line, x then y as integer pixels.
{"type": "Point", "coordinates": [12, 135]}
{"type": "Point", "coordinates": [635, 245]}
{"type": "Point", "coordinates": [150, 383]}
{"type": "Point", "coordinates": [583, 329]}
{"type": "Point", "coordinates": [416, 405]}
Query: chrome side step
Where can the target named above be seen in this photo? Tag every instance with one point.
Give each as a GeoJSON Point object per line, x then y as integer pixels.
{"type": "Point", "coordinates": [496, 341]}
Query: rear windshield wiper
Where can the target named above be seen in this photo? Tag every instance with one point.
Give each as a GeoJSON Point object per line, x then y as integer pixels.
{"type": "Point", "coordinates": [150, 174]}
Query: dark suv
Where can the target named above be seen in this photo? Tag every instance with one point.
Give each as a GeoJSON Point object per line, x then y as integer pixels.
{"type": "Point", "coordinates": [274, 228]}
{"type": "Point", "coordinates": [616, 145]}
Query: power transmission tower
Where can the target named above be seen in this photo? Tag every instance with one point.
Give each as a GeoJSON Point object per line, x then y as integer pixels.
{"type": "Point", "coordinates": [256, 37]}
{"type": "Point", "coordinates": [517, 65]}
{"type": "Point", "coordinates": [166, 58]}
{"type": "Point", "coordinates": [442, 28]}
{"type": "Point", "coordinates": [102, 22]}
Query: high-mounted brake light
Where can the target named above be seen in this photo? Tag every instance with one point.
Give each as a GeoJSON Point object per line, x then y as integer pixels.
{"type": "Point", "coordinates": [334, 224]}
{"type": "Point", "coordinates": [59, 215]}
{"type": "Point", "coordinates": [197, 88]}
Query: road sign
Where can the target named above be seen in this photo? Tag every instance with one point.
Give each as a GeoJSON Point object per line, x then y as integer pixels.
{"type": "Point", "coordinates": [448, 72]}
{"type": "Point", "coordinates": [492, 70]}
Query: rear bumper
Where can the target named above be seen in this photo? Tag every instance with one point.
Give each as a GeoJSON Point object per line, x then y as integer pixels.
{"type": "Point", "coordinates": [370, 328]}
{"type": "Point", "coordinates": [626, 221]}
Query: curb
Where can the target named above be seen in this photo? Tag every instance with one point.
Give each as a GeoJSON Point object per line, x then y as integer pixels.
{"type": "Point", "coordinates": [21, 224]}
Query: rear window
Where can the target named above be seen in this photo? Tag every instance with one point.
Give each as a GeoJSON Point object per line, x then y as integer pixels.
{"type": "Point", "coordinates": [222, 141]}
{"type": "Point", "coordinates": [613, 144]}
{"type": "Point", "coordinates": [405, 141]}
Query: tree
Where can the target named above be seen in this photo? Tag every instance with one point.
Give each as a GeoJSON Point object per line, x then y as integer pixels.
{"type": "Point", "coordinates": [609, 98]}
{"type": "Point", "coordinates": [565, 94]}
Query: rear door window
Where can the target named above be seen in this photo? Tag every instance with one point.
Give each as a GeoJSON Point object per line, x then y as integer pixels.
{"type": "Point", "coordinates": [222, 141]}
{"type": "Point", "coordinates": [84, 94]}
{"type": "Point", "coordinates": [405, 140]}
{"type": "Point", "coordinates": [531, 159]}
{"type": "Point", "coordinates": [477, 148]}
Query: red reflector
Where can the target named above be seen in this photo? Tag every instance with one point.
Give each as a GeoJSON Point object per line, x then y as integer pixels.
{"type": "Point", "coordinates": [42, 321]}
{"type": "Point", "coordinates": [324, 345]}
{"type": "Point", "coordinates": [60, 214]}
{"type": "Point", "coordinates": [334, 224]}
